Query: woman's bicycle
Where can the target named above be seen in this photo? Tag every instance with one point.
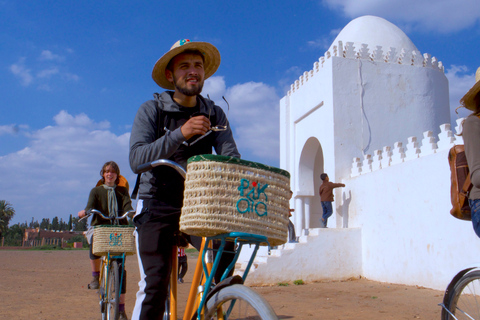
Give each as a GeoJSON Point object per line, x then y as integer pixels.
{"type": "Point", "coordinates": [111, 240]}
{"type": "Point", "coordinates": [228, 299]}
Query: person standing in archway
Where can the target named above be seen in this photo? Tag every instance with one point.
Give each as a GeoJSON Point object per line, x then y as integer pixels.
{"type": "Point", "coordinates": [326, 197]}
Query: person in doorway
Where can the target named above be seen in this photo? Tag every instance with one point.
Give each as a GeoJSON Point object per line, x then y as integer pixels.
{"type": "Point", "coordinates": [182, 264]}
{"type": "Point", "coordinates": [110, 199]}
{"type": "Point", "coordinates": [176, 125]}
{"type": "Point", "coordinates": [326, 197]}
{"type": "Point", "coordinates": [471, 138]}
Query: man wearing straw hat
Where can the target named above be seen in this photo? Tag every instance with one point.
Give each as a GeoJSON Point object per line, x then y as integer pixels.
{"type": "Point", "coordinates": [471, 138]}
{"type": "Point", "coordinates": [175, 125]}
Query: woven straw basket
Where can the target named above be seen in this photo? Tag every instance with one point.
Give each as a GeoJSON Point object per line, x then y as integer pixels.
{"type": "Point", "coordinates": [225, 194]}
{"type": "Point", "coordinates": [113, 239]}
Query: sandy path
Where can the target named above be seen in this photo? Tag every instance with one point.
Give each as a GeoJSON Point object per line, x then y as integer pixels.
{"type": "Point", "coordinates": [52, 285]}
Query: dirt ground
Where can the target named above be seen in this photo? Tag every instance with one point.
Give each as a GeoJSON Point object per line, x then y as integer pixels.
{"type": "Point", "coordinates": [53, 285]}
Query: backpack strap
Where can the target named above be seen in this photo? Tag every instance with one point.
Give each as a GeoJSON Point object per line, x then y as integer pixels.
{"type": "Point", "coordinates": [135, 189]}
{"type": "Point", "coordinates": [467, 185]}
{"type": "Point", "coordinates": [162, 123]}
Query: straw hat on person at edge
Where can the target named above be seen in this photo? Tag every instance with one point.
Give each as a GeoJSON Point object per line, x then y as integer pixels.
{"type": "Point", "coordinates": [468, 100]}
{"type": "Point", "coordinates": [210, 54]}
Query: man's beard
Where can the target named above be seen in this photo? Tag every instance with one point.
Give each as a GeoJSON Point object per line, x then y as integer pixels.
{"type": "Point", "coordinates": [195, 91]}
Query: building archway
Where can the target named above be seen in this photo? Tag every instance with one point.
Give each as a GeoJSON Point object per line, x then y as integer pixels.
{"type": "Point", "coordinates": [307, 201]}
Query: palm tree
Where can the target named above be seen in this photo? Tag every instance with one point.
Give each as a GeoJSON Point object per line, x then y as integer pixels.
{"type": "Point", "coordinates": [6, 213]}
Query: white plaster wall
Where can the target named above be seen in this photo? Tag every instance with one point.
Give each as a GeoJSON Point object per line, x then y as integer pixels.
{"type": "Point", "coordinates": [376, 104]}
{"type": "Point", "coordinates": [354, 102]}
{"type": "Point", "coordinates": [307, 148]}
{"type": "Point", "coordinates": [408, 234]}
{"type": "Point", "coordinates": [330, 254]}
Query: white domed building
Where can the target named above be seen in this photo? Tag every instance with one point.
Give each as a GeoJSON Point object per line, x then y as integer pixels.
{"type": "Point", "coordinates": [371, 89]}
{"type": "Point", "coordinates": [373, 113]}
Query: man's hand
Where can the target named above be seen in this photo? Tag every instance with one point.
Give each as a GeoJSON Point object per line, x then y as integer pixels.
{"type": "Point", "coordinates": [81, 214]}
{"type": "Point", "coordinates": [194, 126]}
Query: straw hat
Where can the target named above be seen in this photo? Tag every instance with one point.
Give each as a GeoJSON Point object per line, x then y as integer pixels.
{"type": "Point", "coordinates": [210, 53]}
{"type": "Point", "coordinates": [468, 99]}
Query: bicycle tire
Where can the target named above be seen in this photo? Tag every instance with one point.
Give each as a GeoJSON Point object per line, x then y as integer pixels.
{"type": "Point", "coordinates": [248, 304]}
{"type": "Point", "coordinates": [112, 293]}
{"type": "Point", "coordinates": [103, 287]}
{"type": "Point", "coordinates": [465, 298]}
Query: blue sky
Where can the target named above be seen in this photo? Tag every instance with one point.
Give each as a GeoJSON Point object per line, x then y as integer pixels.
{"type": "Point", "coordinates": [73, 74]}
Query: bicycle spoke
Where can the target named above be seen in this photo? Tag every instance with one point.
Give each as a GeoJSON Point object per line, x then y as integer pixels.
{"type": "Point", "coordinates": [465, 299]}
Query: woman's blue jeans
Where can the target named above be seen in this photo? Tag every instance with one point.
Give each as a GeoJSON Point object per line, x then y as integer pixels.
{"type": "Point", "coordinates": [475, 208]}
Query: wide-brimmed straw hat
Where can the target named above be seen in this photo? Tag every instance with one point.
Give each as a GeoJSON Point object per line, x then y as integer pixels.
{"type": "Point", "coordinates": [468, 99]}
{"type": "Point", "coordinates": [210, 53]}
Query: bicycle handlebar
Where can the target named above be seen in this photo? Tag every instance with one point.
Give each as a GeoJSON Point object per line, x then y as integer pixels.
{"type": "Point", "coordinates": [162, 162]}
{"type": "Point", "coordinates": [89, 212]}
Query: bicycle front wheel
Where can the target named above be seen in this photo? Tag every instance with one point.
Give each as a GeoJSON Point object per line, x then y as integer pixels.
{"type": "Point", "coordinates": [464, 301]}
{"type": "Point", "coordinates": [112, 294]}
{"type": "Point", "coordinates": [238, 302]}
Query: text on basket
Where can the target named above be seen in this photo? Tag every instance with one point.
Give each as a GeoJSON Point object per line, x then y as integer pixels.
{"type": "Point", "coordinates": [254, 198]}
{"type": "Point", "coordinates": [115, 239]}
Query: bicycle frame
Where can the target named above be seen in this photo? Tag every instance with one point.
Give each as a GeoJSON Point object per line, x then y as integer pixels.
{"type": "Point", "coordinates": [205, 271]}
{"type": "Point", "coordinates": [107, 261]}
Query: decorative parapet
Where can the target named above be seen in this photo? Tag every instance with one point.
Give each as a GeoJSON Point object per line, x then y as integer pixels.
{"type": "Point", "coordinates": [398, 154]}
{"type": "Point", "coordinates": [378, 54]}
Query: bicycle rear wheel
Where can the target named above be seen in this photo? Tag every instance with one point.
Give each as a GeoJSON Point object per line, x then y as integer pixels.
{"type": "Point", "coordinates": [464, 302]}
{"type": "Point", "coordinates": [247, 304]}
{"type": "Point", "coordinates": [112, 293]}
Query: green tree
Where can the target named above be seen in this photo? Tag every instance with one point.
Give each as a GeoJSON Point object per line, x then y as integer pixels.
{"type": "Point", "coordinates": [55, 225]}
{"type": "Point", "coordinates": [79, 225]}
{"type": "Point", "coordinates": [45, 224]}
{"type": "Point", "coordinates": [14, 235]}
{"type": "Point", "coordinates": [33, 224]}
{"type": "Point", "coordinates": [6, 214]}
{"type": "Point", "coordinates": [70, 223]}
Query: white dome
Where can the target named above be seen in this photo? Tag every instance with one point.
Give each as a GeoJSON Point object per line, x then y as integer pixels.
{"type": "Point", "coordinates": [374, 31]}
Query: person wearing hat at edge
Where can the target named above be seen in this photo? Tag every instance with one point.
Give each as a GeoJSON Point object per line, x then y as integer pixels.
{"type": "Point", "coordinates": [471, 138]}
{"type": "Point", "coordinates": [169, 127]}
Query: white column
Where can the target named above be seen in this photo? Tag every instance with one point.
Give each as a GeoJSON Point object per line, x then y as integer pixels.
{"type": "Point", "coordinates": [307, 212]}
{"type": "Point", "coordinates": [298, 216]}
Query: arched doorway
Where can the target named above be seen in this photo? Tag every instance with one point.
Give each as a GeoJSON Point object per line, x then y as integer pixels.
{"type": "Point", "coordinates": [307, 201]}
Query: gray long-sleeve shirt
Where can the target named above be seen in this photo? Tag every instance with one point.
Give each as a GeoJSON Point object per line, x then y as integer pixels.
{"type": "Point", "coordinates": [471, 138]}
{"type": "Point", "coordinates": [149, 142]}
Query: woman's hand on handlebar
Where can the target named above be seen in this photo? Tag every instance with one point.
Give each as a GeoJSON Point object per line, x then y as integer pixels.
{"type": "Point", "coordinates": [81, 213]}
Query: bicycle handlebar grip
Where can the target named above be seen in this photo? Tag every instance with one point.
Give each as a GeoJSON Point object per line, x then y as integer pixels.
{"type": "Point", "coordinates": [144, 167]}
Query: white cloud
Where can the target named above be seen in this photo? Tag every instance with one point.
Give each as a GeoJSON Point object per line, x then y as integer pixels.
{"type": "Point", "coordinates": [254, 116]}
{"type": "Point", "coordinates": [324, 42]}
{"type": "Point", "coordinates": [22, 73]}
{"type": "Point", "coordinates": [54, 174]}
{"type": "Point", "coordinates": [9, 129]}
{"type": "Point", "coordinates": [64, 119]}
{"type": "Point", "coordinates": [214, 87]}
{"type": "Point", "coordinates": [460, 80]}
{"type": "Point", "coordinates": [47, 73]}
{"type": "Point", "coordinates": [48, 55]}
{"type": "Point", "coordinates": [48, 70]}
{"type": "Point", "coordinates": [443, 16]}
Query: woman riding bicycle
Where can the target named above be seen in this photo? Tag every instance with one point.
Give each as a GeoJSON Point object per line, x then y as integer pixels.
{"type": "Point", "coordinates": [110, 199]}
